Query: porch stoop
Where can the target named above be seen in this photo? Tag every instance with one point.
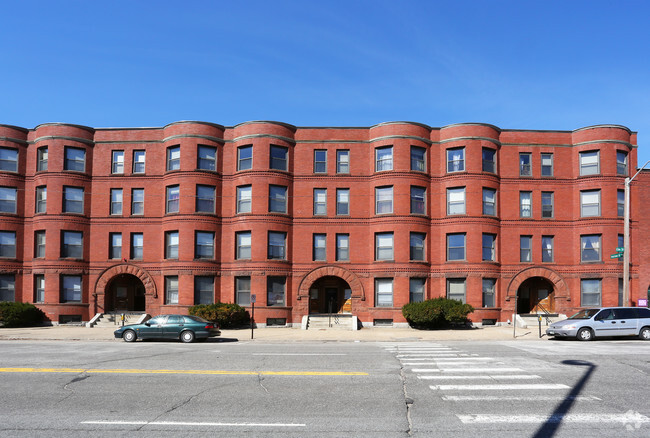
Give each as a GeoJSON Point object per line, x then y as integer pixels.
{"type": "Point", "coordinates": [330, 322]}
{"type": "Point", "coordinates": [115, 319]}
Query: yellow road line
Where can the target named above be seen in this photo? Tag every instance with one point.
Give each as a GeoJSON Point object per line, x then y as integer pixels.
{"type": "Point", "coordinates": [208, 372]}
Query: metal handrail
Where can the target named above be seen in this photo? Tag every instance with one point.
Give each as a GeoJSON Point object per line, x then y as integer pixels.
{"type": "Point", "coordinates": [546, 313]}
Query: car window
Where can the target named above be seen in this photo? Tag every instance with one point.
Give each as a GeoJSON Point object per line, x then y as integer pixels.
{"type": "Point", "coordinates": [175, 319]}
{"type": "Point", "coordinates": [584, 314]}
{"type": "Point", "coordinates": [191, 319]}
{"type": "Point", "coordinates": [157, 320]}
{"type": "Point", "coordinates": [643, 312]}
{"type": "Point", "coordinates": [605, 314]}
{"type": "Point", "coordinates": [628, 313]}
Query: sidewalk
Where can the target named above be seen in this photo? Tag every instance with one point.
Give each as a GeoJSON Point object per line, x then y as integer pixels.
{"type": "Point", "coordinates": [284, 334]}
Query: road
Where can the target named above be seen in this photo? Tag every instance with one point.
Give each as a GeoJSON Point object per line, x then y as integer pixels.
{"type": "Point", "coordinates": [326, 389]}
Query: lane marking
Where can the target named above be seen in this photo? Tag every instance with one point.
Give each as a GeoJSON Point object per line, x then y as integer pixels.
{"type": "Point", "coordinates": [553, 398]}
{"type": "Point", "coordinates": [628, 417]}
{"type": "Point", "coordinates": [494, 377]}
{"type": "Point", "coordinates": [200, 372]}
{"type": "Point", "coordinates": [451, 360]}
{"type": "Point", "coordinates": [499, 387]}
{"type": "Point", "coordinates": [299, 354]}
{"type": "Point", "coordinates": [467, 370]}
{"type": "Point", "coordinates": [185, 423]}
{"type": "Point", "coordinates": [427, 355]}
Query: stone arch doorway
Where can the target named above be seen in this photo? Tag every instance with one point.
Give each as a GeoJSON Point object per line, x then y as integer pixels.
{"type": "Point", "coordinates": [125, 293]}
{"type": "Point", "coordinates": [536, 295]}
{"type": "Point", "coordinates": [330, 288]}
{"type": "Point", "coordinates": [533, 279]}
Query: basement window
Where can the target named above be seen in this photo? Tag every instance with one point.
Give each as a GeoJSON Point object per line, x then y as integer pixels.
{"type": "Point", "coordinates": [383, 322]}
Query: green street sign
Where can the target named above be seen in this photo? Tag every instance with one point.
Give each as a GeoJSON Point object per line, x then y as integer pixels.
{"type": "Point", "coordinates": [620, 249]}
{"type": "Point", "coordinates": [616, 256]}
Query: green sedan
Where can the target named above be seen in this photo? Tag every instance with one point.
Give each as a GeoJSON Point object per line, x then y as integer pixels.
{"type": "Point", "coordinates": [187, 328]}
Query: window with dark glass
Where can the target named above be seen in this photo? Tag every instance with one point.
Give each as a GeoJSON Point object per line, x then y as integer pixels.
{"type": "Point", "coordinates": [620, 203]}
{"type": "Point", "coordinates": [245, 158]}
{"type": "Point", "coordinates": [547, 164]}
{"type": "Point", "coordinates": [277, 199]}
{"type": "Point", "coordinates": [455, 160]}
{"type": "Point", "coordinates": [75, 159]}
{"type": "Point", "coordinates": [203, 289]}
{"type": "Point", "coordinates": [320, 249]}
{"type": "Point", "coordinates": [455, 246]}
{"type": "Point", "coordinates": [547, 205]}
{"type": "Point", "coordinates": [7, 287]}
{"type": "Point", "coordinates": [525, 249]}
{"type": "Point", "coordinates": [621, 163]}
{"type": "Point", "coordinates": [72, 244]}
{"type": "Point", "coordinates": [489, 247]}
{"type": "Point", "coordinates": [171, 244]}
{"type": "Point", "coordinates": [8, 199]}
{"type": "Point", "coordinates": [590, 248]}
{"type": "Point", "coordinates": [39, 244]}
{"type": "Point", "coordinates": [384, 158]}
{"type": "Point", "coordinates": [416, 290]}
{"type": "Point", "coordinates": [275, 289]}
{"type": "Point", "coordinates": [41, 199]}
{"type": "Point", "coordinates": [206, 158]}
{"type": "Point", "coordinates": [489, 201]}
{"type": "Point", "coordinates": [343, 161]}
{"type": "Point", "coordinates": [416, 247]}
{"type": "Point", "coordinates": [115, 246]}
{"type": "Point", "coordinates": [8, 244]}
{"type": "Point", "coordinates": [39, 288]}
{"type": "Point", "coordinates": [277, 245]}
{"type": "Point", "coordinates": [279, 158]}
{"type": "Point", "coordinates": [205, 196]}
{"type": "Point", "coordinates": [137, 202]}
{"type": "Point", "coordinates": [525, 164]}
{"type": "Point", "coordinates": [117, 162]}
{"type": "Point", "coordinates": [173, 199]}
{"type": "Point", "coordinates": [547, 249]}
{"type": "Point", "coordinates": [41, 159]}
{"type": "Point", "coordinates": [418, 195]}
{"type": "Point", "coordinates": [320, 161]}
{"type": "Point", "coordinates": [138, 161]}
{"type": "Point", "coordinates": [71, 288]}
{"type": "Point", "coordinates": [73, 200]}
{"type": "Point", "coordinates": [174, 158]}
{"type": "Point", "coordinates": [9, 159]}
{"type": "Point", "coordinates": [489, 160]}
{"type": "Point", "coordinates": [204, 246]}
{"type": "Point", "coordinates": [418, 159]}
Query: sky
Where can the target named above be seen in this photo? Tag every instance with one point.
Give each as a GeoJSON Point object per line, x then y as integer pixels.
{"type": "Point", "coordinates": [557, 65]}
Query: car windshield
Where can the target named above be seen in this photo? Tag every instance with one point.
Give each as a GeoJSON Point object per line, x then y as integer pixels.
{"type": "Point", "coordinates": [584, 314]}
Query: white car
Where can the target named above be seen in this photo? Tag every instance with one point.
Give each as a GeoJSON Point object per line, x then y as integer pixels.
{"type": "Point", "coordinates": [589, 324]}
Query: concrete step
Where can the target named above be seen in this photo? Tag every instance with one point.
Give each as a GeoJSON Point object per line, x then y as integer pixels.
{"type": "Point", "coordinates": [532, 321]}
{"type": "Point", "coordinates": [333, 323]}
{"type": "Point", "coordinates": [115, 320]}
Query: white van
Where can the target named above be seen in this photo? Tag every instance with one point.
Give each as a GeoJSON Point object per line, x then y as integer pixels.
{"type": "Point", "coordinates": [608, 321]}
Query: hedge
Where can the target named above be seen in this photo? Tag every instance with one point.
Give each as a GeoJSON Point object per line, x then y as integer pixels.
{"type": "Point", "coordinates": [436, 313]}
{"type": "Point", "coordinates": [20, 314]}
{"type": "Point", "coordinates": [227, 315]}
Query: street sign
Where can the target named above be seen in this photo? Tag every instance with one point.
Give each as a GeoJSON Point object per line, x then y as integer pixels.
{"type": "Point", "coordinates": [620, 249]}
{"type": "Point", "coordinates": [253, 298]}
{"type": "Point", "coordinates": [616, 256]}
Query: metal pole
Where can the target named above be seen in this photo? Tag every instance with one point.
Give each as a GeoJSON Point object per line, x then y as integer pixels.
{"type": "Point", "coordinates": [252, 318]}
{"type": "Point", "coordinates": [626, 245]}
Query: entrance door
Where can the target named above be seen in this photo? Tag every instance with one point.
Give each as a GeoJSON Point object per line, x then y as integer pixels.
{"type": "Point", "coordinates": [125, 293]}
{"type": "Point", "coordinates": [332, 296]}
{"type": "Point", "coordinates": [544, 301]}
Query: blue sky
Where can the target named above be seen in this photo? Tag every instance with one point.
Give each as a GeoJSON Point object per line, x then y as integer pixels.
{"type": "Point", "coordinates": [516, 64]}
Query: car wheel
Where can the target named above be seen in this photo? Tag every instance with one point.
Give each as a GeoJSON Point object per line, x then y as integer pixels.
{"type": "Point", "coordinates": [129, 336]}
{"type": "Point", "coordinates": [187, 336]}
{"type": "Point", "coordinates": [645, 334]}
{"type": "Point", "coordinates": [585, 334]}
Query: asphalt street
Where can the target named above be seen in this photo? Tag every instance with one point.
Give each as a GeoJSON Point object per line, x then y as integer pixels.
{"type": "Point", "coordinates": [325, 389]}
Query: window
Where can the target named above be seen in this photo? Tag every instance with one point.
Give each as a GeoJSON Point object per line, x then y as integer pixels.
{"type": "Point", "coordinates": [73, 200]}
{"type": "Point", "coordinates": [320, 161]}
{"type": "Point", "coordinates": [8, 244]}
{"type": "Point", "coordinates": [456, 246]}
{"type": "Point", "coordinates": [547, 205]}
{"type": "Point", "coordinates": [383, 292]}
{"type": "Point", "coordinates": [275, 287]}
{"type": "Point", "coordinates": [277, 199]}
{"type": "Point", "coordinates": [9, 159]}
{"type": "Point", "coordinates": [138, 161]}
{"type": "Point", "coordinates": [171, 289]}
{"type": "Point", "coordinates": [418, 159]}
{"type": "Point", "coordinates": [416, 247]}
{"type": "Point", "coordinates": [589, 163]}
{"type": "Point", "coordinates": [204, 246]}
{"type": "Point", "coordinates": [590, 203]}
{"type": "Point", "coordinates": [137, 202]}
{"type": "Point", "coordinates": [277, 245]}
{"type": "Point", "coordinates": [416, 290]}
{"type": "Point", "coordinates": [621, 163]}
{"type": "Point", "coordinates": [384, 246]}
{"type": "Point", "coordinates": [39, 244]}
{"type": "Point", "coordinates": [320, 249]}
{"type": "Point", "coordinates": [590, 248]}
{"type": "Point", "coordinates": [620, 203]}
{"type": "Point", "coordinates": [456, 289]}
{"type": "Point", "coordinates": [590, 292]}
{"type": "Point", "coordinates": [173, 199]}
{"type": "Point", "coordinates": [547, 164]}
{"type": "Point", "coordinates": [206, 158]}
{"type": "Point", "coordinates": [455, 160]}
{"type": "Point", "coordinates": [547, 249]}
{"type": "Point", "coordinates": [243, 291]}
{"type": "Point", "coordinates": [525, 168]}
{"type": "Point", "coordinates": [205, 199]}
{"type": "Point", "coordinates": [245, 158]}
{"type": "Point", "coordinates": [525, 204]}
{"type": "Point", "coordinates": [7, 287]}
{"type": "Point", "coordinates": [342, 247]}
{"type": "Point", "coordinates": [383, 158]}
{"type": "Point", "coordinates": [418, 196]}
{"type": "Point", "coordinates": [72, 246]}
{"type": "Point", "coordinates": [174, 158]}
{"type": "Point", "coordinates": [39, 288]}
{"type": "Point", "coordinates": [342, 161]}
{"type": "Point", "coordinates": [342, 201]}
{"type": "Point", "coordinates": [244, 199]}
{"type": "Point", "coordinates": [621, 243]}
{"type": "Point", "coordinates": [41, 159]}
{"type": "Point", "coordinates": [117, 162]}
{"type": "Point", "coordinates": [115, 246]}
{"type": "Point", "coordinates": [383, 200]}
{"type": "Point", "coordinates": [71, 288]}
{"type": "Point", "coordinates": [116, 201]}
{"type": "Point", "coordinates": [489, 160]}
{"type": "Point", "coordinates": [203, 290]}
{"type": "Point", "coordinates": [137, 244]}
{"type": "Point", "coordinates": [279, 158]}
{"type": "Point", "coordinates": [41, 199]}
{"type": "Point", "coordinates": [456, 201]}
{"type": "Point", "coordinates": [243, 239]}
{"type": "Point", "coordinates": [171, 244]}
{"type": "Point", "coordinates": [489, 202]}
{"type": "Point", "coordinates": [75, 159]}
{"type": "Point", "coordinates": [320, 202]}
{"type": "Point", "coordinates": [489, 291]}
{"type": "Point", "coordinates": [525, 249]}
{"type": "Point", "coordinates": [489, 247]}
{"type": "Point", "coordinates": [7, 200]}
{"type": "Point", "coordinates": [620, 292]}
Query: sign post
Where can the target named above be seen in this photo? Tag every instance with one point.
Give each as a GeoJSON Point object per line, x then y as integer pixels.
{"type": "Point", "coordinates": [253, 299]}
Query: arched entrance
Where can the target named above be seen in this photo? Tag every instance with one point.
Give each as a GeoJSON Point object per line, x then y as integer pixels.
{"type": "Point", "coordinates": [536, 295]}
{"type": "Point", "coordinates": [330, 295]}
{"type": "Point", "coordinates": [125, 293]}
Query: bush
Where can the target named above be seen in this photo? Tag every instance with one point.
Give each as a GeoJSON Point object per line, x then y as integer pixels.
{"type": "Point", "coordinates": [227, 315]}
{"type": "Point", "coordinates": [20, 314]}
{"type": "Point", "coordinates": [436, 313]}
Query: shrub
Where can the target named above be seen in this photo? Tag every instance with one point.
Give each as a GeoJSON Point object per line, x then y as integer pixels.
{"type": "Point", "coordinates": [20, 314]}
{"type": "Point", "coordinates": [436, 313]}
{"type": "Point", "coordinates": [227, 315]}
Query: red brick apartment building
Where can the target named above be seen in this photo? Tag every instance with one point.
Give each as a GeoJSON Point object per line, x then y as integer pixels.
{"type": "Point", "coordinates": [317, 220]}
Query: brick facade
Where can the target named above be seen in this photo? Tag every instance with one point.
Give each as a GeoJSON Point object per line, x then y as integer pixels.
{"type": "Point", "coordinates": [384, 179]}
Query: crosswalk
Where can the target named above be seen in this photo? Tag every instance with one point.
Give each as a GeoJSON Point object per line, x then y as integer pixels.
{"type": "Point", "coordinates": [473, 382]}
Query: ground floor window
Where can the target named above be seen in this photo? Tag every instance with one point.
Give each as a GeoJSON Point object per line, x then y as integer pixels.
{"type": "Point", "coordinates": [456, 289]}
{"type": "Point", "coordinates": [39, 288]}
{"type": "Point", "coordinates": [383, 292]}
{"type": "Point", "coordinates": [243, 291]}
{"type": "Point", "coordinates": [590, 292]}
{"type": "Point", "coordinates": [488, 292]}
{"type": "Point", "coordinates": [71, 289]}
{"type": "Point", "coordinates": [275, 291]}
{"type": "Point", "coordinates": [7, 288]}
{"type": "Point", "coordinates": [416, 290]}
{"type": "Point", "coordinates": [203, 290]}
{"type": "Point", "coordinates": [171, 289]}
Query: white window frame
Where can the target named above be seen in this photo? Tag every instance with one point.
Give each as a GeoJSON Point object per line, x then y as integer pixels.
{"type": "Point", "coordinates": [455, 201]}
{"type": "Point", "coordinates": [384, 200]}
{"type": "Point", "coordinates": [590, 203]}
{"type": "Point", "coordinates": [589, 163]}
